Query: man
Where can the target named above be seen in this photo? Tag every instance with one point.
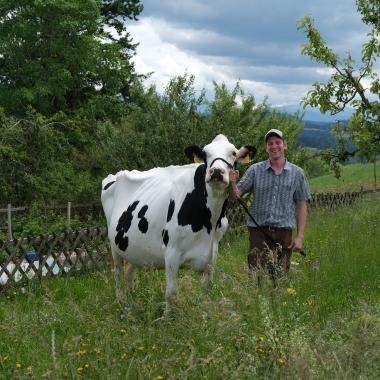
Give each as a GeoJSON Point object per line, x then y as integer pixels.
{"type": "Point", "coordinates": [280, 193]}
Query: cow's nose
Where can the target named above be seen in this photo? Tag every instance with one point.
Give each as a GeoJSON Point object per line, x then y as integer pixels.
{"type": "Point", "coordinates": [217, 174]}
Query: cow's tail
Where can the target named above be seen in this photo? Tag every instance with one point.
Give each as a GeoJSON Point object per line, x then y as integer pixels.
{"type": "Point", "coordinates": [107, 196]}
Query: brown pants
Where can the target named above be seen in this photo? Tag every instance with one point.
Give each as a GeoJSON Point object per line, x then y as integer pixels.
{"type": "Point", "coordinates": [259, 256]}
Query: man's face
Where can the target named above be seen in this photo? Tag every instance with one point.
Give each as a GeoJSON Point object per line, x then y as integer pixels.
{"type": "Point", "coordinates": [275, 147]}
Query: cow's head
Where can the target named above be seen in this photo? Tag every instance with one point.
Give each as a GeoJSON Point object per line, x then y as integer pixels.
{"type": "Point", "coordinates": [219, 157]}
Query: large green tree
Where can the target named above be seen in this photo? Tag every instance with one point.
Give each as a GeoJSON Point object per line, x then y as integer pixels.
{"type": "Point", "coordinates": [351, 84]}
{"type": "Point", "coordinates": [61, 55]}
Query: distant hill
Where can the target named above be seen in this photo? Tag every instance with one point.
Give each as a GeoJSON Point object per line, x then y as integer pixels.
{"type": "Point", "coordinates": [317, 134]}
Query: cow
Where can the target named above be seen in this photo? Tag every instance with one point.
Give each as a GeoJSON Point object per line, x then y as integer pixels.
{"type": "Point", "coordinates": [171, 217]}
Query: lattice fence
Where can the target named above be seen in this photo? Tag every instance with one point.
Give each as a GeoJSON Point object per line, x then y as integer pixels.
{"type": "Point", "coordinates": [333, 200]}
{"type": "Point", "coordinates": [88, 249]}
{"type": "Point", "coordinates": [52, 255]}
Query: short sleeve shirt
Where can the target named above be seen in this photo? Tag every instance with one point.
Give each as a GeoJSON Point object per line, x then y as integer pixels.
{"type": "Point", "coordinates": [274, 196]}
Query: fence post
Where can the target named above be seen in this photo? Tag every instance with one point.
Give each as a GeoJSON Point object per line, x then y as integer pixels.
{"type": "Point", "coordinates": [10, 221]}
{"type": "Point", "coordinates": [68, 215]}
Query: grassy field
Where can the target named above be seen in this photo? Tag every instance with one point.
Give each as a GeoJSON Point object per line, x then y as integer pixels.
{"type": "Point", "coordinates": [353, 177]}
{"type": "Point", "coordinates": [322, 322]}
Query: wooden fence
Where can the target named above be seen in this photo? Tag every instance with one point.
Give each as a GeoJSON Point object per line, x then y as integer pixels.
{"type": "Point", "coordinates": [52, 255]}
{"type": "Point", "coordinates": [88, 249]}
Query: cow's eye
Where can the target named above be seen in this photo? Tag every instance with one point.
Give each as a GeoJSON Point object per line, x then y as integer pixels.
{"type": "Point", "coordinates": [234, 154]}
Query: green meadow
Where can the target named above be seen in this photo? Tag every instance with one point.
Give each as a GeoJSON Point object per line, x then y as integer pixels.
{"type": "Point", "coordinates": [322, 322]}
{"type": "Point", "coordinates": [353, 178]}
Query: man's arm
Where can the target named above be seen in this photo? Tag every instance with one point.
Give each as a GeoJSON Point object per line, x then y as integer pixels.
{"type": "Point", "coordinates": [301, 216]}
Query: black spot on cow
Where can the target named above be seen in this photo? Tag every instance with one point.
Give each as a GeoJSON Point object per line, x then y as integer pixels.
{"type": "Point", "coordinates": [222, 214]}
{"type": "Point", "coordinates": [194, 210]}
{"type": "Point", "coordinates": [170, 210]}
{"type": "Point", "coordinates": [123, 226]}
{"type": "Point", "coordinates": [109, 184]}
{"type": "Point", "coordinates": [165, 237]}
{"type": "Point", "coordinates": [143, 223]}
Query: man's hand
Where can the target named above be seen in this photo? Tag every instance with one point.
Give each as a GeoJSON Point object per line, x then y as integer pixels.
{"type": "Point", "coordinates": [296, 244]}
{"type": "Point", "coordinates": [234, 175]}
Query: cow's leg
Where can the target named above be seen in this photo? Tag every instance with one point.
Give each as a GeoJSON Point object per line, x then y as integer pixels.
{"type": "Point", "coordinates": [129, 271]}
{"type": "Point", "coordinates": [208, 274]}
{"type": "Point", "coordinates": [171, 270]}
{"type": "Point", "coordinates": [118, 273]}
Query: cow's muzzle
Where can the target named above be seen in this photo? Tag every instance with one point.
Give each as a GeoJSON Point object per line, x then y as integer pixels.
{"type": "Point", "coordinates": [216, 174]}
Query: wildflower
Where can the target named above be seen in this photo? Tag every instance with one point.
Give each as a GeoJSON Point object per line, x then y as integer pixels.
{"type": "Point", "coordinates": [87, 366]}
{"type": "Point", "coordinates": [141, 348]}
{"type": "Point", "coordinates": [276, 339]}
{"type": "Point", "coordinates": [309, 302]}
{"type": "Point", "coordinates": [18, 365]}
{"type": "Point", "coordinates": [123, 331]}
{"type": "Point", "coordinates": [159, 377]}
{"type": "Point", "coordinates": [80, 369]}
{"type": "Point", "coordinates": [261, 338]}
{"type": "Point", "coordinates": [284, 303]}
{"type": "Point", "coordinates": [315, 267]}
{"type": "Point", "coordinates": [280, 360]}
{"type": "Point", "coordinates": [154, 347]}
{"type": "Point", "coordinates": [260, 350]}
{"type": "Point", "coordinates": [29, 369]}
{"type": "Point", "coordinates": [291, 291]}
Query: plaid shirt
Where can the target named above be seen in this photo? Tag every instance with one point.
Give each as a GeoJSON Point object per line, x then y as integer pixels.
{"type": "Point", "coordinates": [274, 196]}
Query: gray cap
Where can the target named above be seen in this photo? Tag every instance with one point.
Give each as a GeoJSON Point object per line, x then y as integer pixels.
{"type": "Point", "coordinates": [274, 132]}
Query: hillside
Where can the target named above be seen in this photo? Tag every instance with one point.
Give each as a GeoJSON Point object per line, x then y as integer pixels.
{"type": "Point", "coordinates": [353, 177]}
{"type": "Point", "coordinates": [316, 134]}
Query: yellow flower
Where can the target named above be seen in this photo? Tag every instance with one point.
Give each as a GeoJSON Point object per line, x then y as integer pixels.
{"type": "Point", "coordinates": [141, 348]}
{"type": "Point", "coordinates": [260, 350]}
{"type": "Point", "coordinates": [29, 369]}
{"type": "Point", "coordinates": [291, 291]}
{"type": "Point", "coordinates": [80, 369]}
{"type": "Point", "coordinates": [18, 365]}
{"type": "Point", "coordinates": [280, 360]}
{"type": "Point", "coordinates": [87, 366]}
{"type": "Point", "coordinates": [159, 377]}
{"type": "Point", "coordinates": [310, 302]}
{"type": "Point", "coordinates": [261, 338]}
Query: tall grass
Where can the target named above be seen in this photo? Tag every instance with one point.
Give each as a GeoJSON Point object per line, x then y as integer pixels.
{"type": "Point", "coordinates": [323, 321]}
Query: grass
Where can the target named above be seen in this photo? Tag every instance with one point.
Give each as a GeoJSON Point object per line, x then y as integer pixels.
{"type": "Point", "coordinates": [353, 177]}
{"type": "Point", "coordinates": [323, 321]}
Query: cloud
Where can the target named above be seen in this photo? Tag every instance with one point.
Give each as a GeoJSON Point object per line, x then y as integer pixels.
{"type": "Point", "coordinates": [252, 41]}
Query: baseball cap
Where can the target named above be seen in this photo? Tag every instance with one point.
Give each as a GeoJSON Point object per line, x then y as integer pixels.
{"type": "Point", "coordinates": [274, 132]}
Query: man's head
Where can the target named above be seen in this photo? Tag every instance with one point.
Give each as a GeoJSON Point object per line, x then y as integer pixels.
{"type": "Point", "coordinates": [274, 132]}
{"type": "Point", "coordinates": [275, 144]}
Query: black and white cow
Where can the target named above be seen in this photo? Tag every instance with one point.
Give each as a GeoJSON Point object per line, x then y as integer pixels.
{"type": "Point", "coordinates": [171, 217]}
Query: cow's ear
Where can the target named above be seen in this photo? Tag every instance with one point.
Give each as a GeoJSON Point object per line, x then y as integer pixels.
{"type": "Point", "coordinates": [245, 154]}
{"type": "Point", "coordinates": [194, 153]}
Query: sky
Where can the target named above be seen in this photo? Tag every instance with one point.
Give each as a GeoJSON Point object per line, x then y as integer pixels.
{"type": "Point", "coordinates": [255, 42]}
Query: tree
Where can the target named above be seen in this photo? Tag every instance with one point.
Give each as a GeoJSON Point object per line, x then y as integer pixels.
{"type": "Point", "coordinates": [346, 86]}
{"type": "Point", "coordinates": [66, 54]}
